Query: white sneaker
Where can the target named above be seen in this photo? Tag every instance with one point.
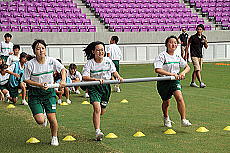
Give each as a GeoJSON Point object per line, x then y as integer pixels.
{"type": "Point", "coordinates": [24, 102]}
{"type": "Point", "coordinates": [117, 89]}
{"type": "Point", "coordinates": [185, 122]}
{"type": "Point", "coordinates": [54, 141]}
{"type": "Point", "coordinates": [59, 101]}
{"type": "Point", "coordinates": [77, 92]}
{"type": "Point", "coordinates": [167, 122]}
{"type": "Point", "coordinates": [86, 95]}
{"type": "Point", "coordinates": [202, 85]}
{"type": "Point", "coordinates": [45, 120]}
{"type": "Point", "coordinates": [68, 101]}
{"type": "Point", "coordinates": [99, 136]}
{"type": "Point", "coordinates": [193, 84]}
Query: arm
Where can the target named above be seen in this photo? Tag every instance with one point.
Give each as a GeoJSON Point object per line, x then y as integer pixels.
{"type": "Point", "coordinates": [186, 50]}
{"type": "Point", "coordinates": [108, 55]}
{"type": "Point", "coordinates": [116, 74]}
{"type": "Point", "coordinates": [12, 73]}
{"type": "Point", "coordinates": [63, 78]}
{"type": "Point", "coordinates": [205, 43]}
{"type": "Point", "coordinates": [186, 70]}
{"type": "Point", "coordinates": [88, 78]}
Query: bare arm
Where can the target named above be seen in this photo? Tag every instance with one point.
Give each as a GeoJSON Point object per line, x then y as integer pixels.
{"type": "Point", "coordinates": [33, 83]}
{"type": "Point", "coordinates": [63, 78]}
{"type": "Point", "coordinates": [108, 55]}
{"type": "Point", "coordinates": [12, 73]}
{"type": "Point", "coordinates": [88, 78]}
{"type": "Point", "coordinates": [205, 43]}
{"type": "Point", "coordinates": [116, 74]}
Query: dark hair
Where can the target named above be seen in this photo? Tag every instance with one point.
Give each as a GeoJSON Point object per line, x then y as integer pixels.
{"type": "Point", "coordinates": [22, 55]}
{"type": "Point", "coordinates": [16, 47]}
{"type": "Point", "coordinates": [38, 41]}
{"type": "Point", "coordinates": [7, 35]}
{"type": "Point", "coordinates": [59, 60]}
{"type": "Point", "coordinates": [115, 38]}
{"type": "Point", "coordinates": [29, 57]}
{"type": "Point", "coordinates": [167, 40]}
{"type": "Point", "coordinates": [3, 66]}
{"type": "Point", "coordinates": [72, 66]}
{"type": "Point", "coordinates": [88, 50]}
{"type": "Point", "coordinates": [200, 26]}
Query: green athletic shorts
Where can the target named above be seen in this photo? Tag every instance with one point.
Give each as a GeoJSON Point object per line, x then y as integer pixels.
{"type": "Point", "coordinates": [4, 57]}
{"type": "Point", "coordinates": [116, 63]}
{"type": "Point", "coordinates": [40, 100]}
{"type": "Point", "coordinates": [3, 87]}
{"type": "Point", "coordinates": [166, 88]}
{"type": "Point", "coordinates": [100, 93]}
{"type": "Point", "coordinates": [13, 91]}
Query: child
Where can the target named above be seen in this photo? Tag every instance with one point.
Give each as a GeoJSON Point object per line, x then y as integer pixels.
{"type": "Point", "coordinates": [39, 72]}
{"type": "Point", "coordinates": [4, 77]}
{"type": "Point", "coordinates": [98, 68]}
{"type": "Point", "coordinates": [61, 91]}
{"type": "Point", "coordinates": [75, 77]}
{"type": "Point", "coordinates": [16, 71]}
{"type": "Point", "coordinates": [114, 53]}
{"type": "Point", "coordinates": [169, 64]}
{"type": "Point", "coordinates": [15, 56]}
{"type": "Point", "coordinates": [6, 47]}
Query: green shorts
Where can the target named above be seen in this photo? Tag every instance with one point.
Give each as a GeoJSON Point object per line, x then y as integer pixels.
{"type": "Point", "coordinates": [99, 93]}
{"type": "Point", "coordinates": [3, 87]}
{"type": "Point", "coordinates": [4, 57]}
{"type": "Point", "coordinates": [116, 63]}
{"type": "Point", "coordinates": [13, 91]}
{"type": "Point", "coordinates": [166, 88]}
{"type": "Point", "coordinates": [40, 100]}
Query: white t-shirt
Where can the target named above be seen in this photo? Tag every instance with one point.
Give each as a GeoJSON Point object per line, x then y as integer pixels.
{"type": "Point", "coordinates": [115, 52]}
{"type": "Point", "coordinates": [6, 48]}
{"type": "Point", "coordinates": [4, 78]}
{"type": "Point", "coordinates": [74, 76]}
{"type": "Point", "coordinates": [101, 70]}
{"type": "Point", "coordinates": [11, 59]}
{"type": "Point", "coordinates": [42, 73]}
{"type": "Point", "coordinates": [169, 63]}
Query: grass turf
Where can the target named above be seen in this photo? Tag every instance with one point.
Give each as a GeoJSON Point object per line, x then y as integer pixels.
{"type": "Point", "coordinates": [207, 107]}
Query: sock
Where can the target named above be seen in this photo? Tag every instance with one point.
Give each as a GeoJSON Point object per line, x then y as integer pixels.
{"type": "Point", "coordinates": [98, 130]}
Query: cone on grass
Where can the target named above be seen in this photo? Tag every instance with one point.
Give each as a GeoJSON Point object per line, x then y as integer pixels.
{"type": "Point", "coordinates": [85, 102]}
{"type": "Point", "coordinates": [10, 106]}
{"type": "Point", "coordinates": [124, 101]}
{"type": "Point", "coordinates": [139, 134]}
{"type": "Point", "coordinates": [64, 103]}
{"type": "Point", "coordinates": [170, 131]}
{"type": "Point", "coordinates": [202, 129]}
{"type": "Point", "coordinates": [111, 136]}
{"type": "Point", "coordinates": [32, 140]}
{"type": "Point", "coordinates": [69, 138]}
{"type": "Point", "coordinates": [227, 128]}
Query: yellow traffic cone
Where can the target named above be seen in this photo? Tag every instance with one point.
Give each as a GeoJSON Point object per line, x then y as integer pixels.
{"type": "Point", "coordinates": [139, 134]}
{"type": "Point", "coordinates": [10, 106]}
{"type": "Point", "coordinates": [202, 129]}
{"type": "Point", "coordinates": [85, 102]}
{"type": "Point", "coordinates": [64, 103]}
{"type": "Point", "coordinates": [32, 140]}
{"type": "Point", "coordinates": [227, 128]}
{"type": "Point", "coordinates": [69, 138]}
{"type": "Point", "coordinates": [170, 131]}
{"type": "Point", "coordinates": [124, 101]}
{"type": "Point", "coordinates": [111, 135]}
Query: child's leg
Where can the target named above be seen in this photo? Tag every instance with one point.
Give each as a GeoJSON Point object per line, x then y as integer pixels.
{"type": "Point", "coordinates": [66, 91]}
{"type": "Point", "coordinates": [40, 118]}
{"type": "Point", "coordinates": [53, 123]}
{"type": "Point", "coordinates": [96, 115]}
{"type": "Point", "coordinates": [180, 103]}
{"type": "Point", "coordinates": [23, 87]}
{"type": "Point", "coordinates": [165, 105]}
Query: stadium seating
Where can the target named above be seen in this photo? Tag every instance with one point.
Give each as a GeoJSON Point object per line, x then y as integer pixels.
{"type": "Point", "coordinates": [218, 10]}
{"type": "Point", "coordinates": [43, 16]}
{"type": "Point", "coordinates": [145, 15]}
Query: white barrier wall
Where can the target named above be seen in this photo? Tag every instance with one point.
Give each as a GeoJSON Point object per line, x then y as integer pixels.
{"type": "Point", "coordinates": [132, 54]}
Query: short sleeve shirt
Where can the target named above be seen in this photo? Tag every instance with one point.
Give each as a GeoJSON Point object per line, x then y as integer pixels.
{"type": "Point", "coordinates": [196, 45]}
{"type": "Point", "coordinates": [6, 48]}
{"type": "Point", "coordinates": [42, 73]}
{"type": "Point", "coordinates": [11, 59]}
{"type": "Point", "coordinates": [74, 76]}
{"type": "Point", "coordinates": [184, 38]}
{"type": "Point", "coordinates": [169, 63]}
{"type": "Point", "coordinates": [101, 70]}
{"type": "Point", "coordinates": [115, 52]}
{"type": "Point", "coordinates": [4, 79]}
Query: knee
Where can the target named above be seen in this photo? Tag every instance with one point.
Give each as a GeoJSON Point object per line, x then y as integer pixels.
{"type": "Point", "coordinates": [165, 103]}
{"type": "Point", "coordinates": [97, 110]}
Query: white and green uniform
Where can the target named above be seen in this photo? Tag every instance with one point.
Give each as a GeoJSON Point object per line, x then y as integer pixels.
{"type": "Point", "coordinates": [75, 75]}
{"type": "Point", "coordinates": [103, 70]}
{"type": "Point", "coordinates": [172, 64]}
{"type": "Point", "coordinates": [115, 55]}
{"type": "Point", "coordinates": [38, 98]}
{"type": "Point", "coordinates": [4, 80]}
{"type": "Point", "coordinates": [11, 59]}
{"type": "Point", "coordinates": [5, 49]}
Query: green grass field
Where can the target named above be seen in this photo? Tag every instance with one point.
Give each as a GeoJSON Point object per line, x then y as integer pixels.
{"type": "Point", "coordinates": [209, 107]}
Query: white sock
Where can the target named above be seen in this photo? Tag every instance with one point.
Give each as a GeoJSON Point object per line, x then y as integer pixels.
{"type": "Point", "coordinates": [98, 130]}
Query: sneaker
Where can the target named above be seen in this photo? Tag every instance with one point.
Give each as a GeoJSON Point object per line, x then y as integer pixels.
{"type": "Point", "coordinates": [54, 141]}
{"type": "Point", "coordinates": [24, 102]}
{"type": "Point", "coordinates": [59, 101]}
{"type": "Point", "coordinates": [99, 136]}
{"type": "Point", "coordinates": [117, 89]}
{"type": "Point", "coordinates": [77, 92]}
{"type": "Point", "coordinates": [167, 122]}
{"type": "Point", "coordinates": [193, 84]}
{"type": "Point", "coordinates": [86, 95]}
{"type": "Point", "coordinates": [68, 101]}
{"type": "Point", "coordinates": [185, 122]}
{"type": "Point", "coordinates": [45, 120]}
{"type": "Point", "coordinates": [202, 85]}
